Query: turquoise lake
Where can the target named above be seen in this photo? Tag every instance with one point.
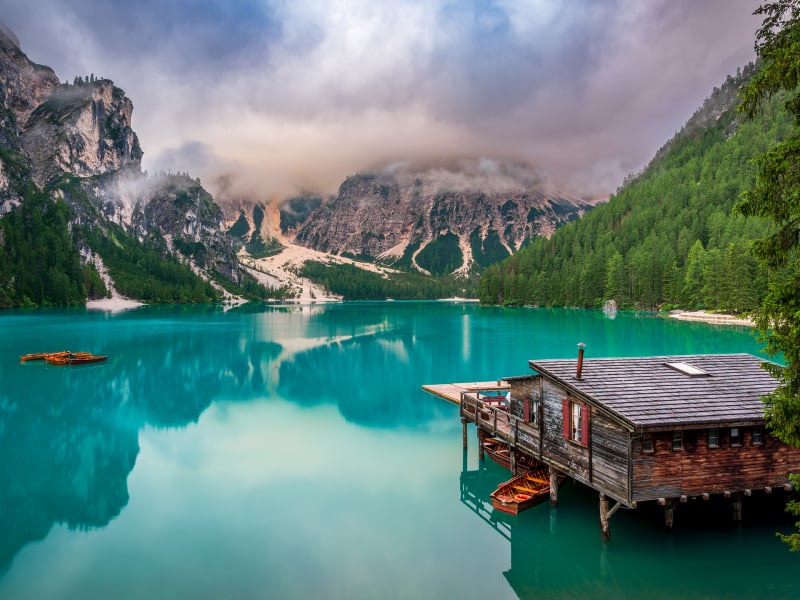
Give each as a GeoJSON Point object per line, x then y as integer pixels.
{"type": "Point", "coordinates": [289, 452]}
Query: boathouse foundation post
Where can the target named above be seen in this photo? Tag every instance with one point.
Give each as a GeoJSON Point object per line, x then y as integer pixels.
{"type": "Point", "coordinates": [553, 486]}
{"type": "Point", "coordinates": [737, 507]}
{"type": "Point", "coordinates": [481, 437]}
{"type": "Point", "coordinates": [604, 525]}
{"type": "Point", "coordinates": [669, 511]}
{"type": "Point", "coordinates": [464, 432]}
{"type": "Point", "coordinates": [605, 516]}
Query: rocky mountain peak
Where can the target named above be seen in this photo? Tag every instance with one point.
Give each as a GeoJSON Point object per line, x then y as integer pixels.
{"type": "Point", "coordinates": [82, 129]}
{"type": "Point", "coordinates": [487, 208]}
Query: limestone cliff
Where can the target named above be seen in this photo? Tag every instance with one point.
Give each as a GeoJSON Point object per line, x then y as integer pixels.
{"type": "Point", "coordinates": [83, 130]}
{"type": "Point", "coordinates": [23, 86]}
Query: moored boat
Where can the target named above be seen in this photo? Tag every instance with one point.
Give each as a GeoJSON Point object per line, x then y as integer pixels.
{"type": "Point", "coordinates": [34, 356]}
{"type": "Point", "coordinates": [523, 491]}
{"type": "Point", "coordinates": [73, 358]}
{"type": "Point", "coordinates": [42, 355]}
{"type": "Point", "coordinates": [499, 452]}
{"type": "Point", "coordinates": [85, 360]}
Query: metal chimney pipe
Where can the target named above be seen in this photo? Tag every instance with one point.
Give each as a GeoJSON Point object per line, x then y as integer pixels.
{"type": "Point", "coordinates": [579, 370]}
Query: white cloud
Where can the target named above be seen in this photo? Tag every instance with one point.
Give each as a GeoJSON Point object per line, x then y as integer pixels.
{"type": "Point", "coordinates": [298, 94]}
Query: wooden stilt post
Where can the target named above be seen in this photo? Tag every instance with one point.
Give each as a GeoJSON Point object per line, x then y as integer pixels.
{"type": "Point", "coordinates": [481, 436]}
{"type": "Point", "coordinates": [604, 526]}
{"type": "Point", "coordinates": [464, 432]}
{"type": "Point", "coordinates": [553, 487]}
{"type": "Point", "coordinates": [737, 506]}
{"type": "Point", "coordinates": [669, 513]}
{"type": "Point", "coordinates": [512, 454]}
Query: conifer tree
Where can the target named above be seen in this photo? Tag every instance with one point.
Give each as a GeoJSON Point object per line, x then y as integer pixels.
{"type": "Point", "coordinates": [776, 197]}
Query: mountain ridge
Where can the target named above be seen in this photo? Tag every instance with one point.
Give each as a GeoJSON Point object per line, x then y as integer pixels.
{"type": "Point", "coordinates": [391, 215]}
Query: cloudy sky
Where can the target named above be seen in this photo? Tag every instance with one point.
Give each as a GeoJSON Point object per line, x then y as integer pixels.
{"type": "Point", "coordinates": [294, 95]}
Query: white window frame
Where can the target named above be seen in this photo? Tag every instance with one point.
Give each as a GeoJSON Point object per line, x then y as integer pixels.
{"type": "Point", "coordinates": [759, 433]}
{"type": "Point", "coordinates": [576, 411]}
{"type": "Point", "coordinates": [714, 436]}
{"type": "Point", "coordinates": [735, 433]}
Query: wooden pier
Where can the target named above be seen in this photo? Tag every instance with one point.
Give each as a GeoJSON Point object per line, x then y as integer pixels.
{"type": "Point", "coordinates": [452, 391]}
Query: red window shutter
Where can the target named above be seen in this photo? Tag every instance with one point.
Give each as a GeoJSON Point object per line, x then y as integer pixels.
{"type": "Point", "coordinates": [585, 426]}
{"type": "Point", "coordinates": [526, 411]}
{"type": "Point", "coordinates": [565, 417]}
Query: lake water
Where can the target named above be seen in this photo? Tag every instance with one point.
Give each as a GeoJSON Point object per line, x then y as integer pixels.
{"type": "Point", "coordinates": [289, 452]}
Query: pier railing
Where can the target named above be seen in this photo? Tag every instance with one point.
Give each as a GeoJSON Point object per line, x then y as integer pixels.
{"type": "Point", "coordinates": [492, 415]}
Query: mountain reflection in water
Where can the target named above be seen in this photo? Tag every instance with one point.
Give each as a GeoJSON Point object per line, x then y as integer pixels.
{"type": "Point", "coordinates": [70, 435]}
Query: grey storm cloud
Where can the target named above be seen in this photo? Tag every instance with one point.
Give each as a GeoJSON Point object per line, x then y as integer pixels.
{"type": "Point", "coordinates": [279, 96]}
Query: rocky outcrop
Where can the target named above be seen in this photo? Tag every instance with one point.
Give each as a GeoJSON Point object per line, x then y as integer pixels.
{"type": "Point", "coordinates": [186, 213]}
{"type": "Point", "coordinates": [24, 85]}
{"type": "Point", "coordinates": [83, 130]}
{"type": "Point", "coordinates": [366, 217]}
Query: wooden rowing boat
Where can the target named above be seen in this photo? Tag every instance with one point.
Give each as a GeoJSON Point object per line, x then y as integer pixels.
{"type": "Point", "coordinates": [86, 360]}
{"type": "Point", "coordinates": [499, 452]}
{"type": "Point", "coordinates": [523, 491]}
{"type": "Point", "coordinates": [41, 355]}
{"type": "Point", "coordinates": [73, 358]}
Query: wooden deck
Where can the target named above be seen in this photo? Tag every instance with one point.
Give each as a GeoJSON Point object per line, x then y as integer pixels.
{"type": "Point", "coordinates": [452, 391]}
{"type": "Point", "coordinates": [488, 412]}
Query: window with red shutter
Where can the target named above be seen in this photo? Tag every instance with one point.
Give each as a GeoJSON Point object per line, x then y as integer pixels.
{"type": "Point", "coordinates": [575, 422]}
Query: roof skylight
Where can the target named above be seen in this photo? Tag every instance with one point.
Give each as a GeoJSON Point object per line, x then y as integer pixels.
{"type": "Point", "coordinates": [686, 369]}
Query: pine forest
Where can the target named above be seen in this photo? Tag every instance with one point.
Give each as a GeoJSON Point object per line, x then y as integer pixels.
{"type": "Point", "coordinates": [671, 237]}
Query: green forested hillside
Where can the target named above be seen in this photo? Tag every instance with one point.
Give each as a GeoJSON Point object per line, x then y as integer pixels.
{"type": "Point", "coordinates": [669, 236]}
{"type": "Point", "coordinates": [39, 261]}
{"type": "Point", "coordinates": [353, 283]}
{"type": "Point", "coordinates": [143, 271]}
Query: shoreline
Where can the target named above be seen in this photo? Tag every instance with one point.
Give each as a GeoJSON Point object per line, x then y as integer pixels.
{"type": "Point", "coordinates": [703, 316]}
{"type": "Point", "coordinates": [120, 303]}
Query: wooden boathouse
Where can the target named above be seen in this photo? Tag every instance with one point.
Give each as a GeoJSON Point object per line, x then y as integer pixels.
{"type": "Point", "coordinates": [663, 429]}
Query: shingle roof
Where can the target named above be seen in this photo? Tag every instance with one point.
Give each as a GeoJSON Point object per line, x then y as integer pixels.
{"type": "Point", "coordinates": [647, 393]}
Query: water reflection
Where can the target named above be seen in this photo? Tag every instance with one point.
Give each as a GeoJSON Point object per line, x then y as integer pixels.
{"type": "Point", "coordinates": [69, 436]}
{"type": "Point", "coordinates": [61, 458]}
{"type": "Point", "coordinates": [557, 552]}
